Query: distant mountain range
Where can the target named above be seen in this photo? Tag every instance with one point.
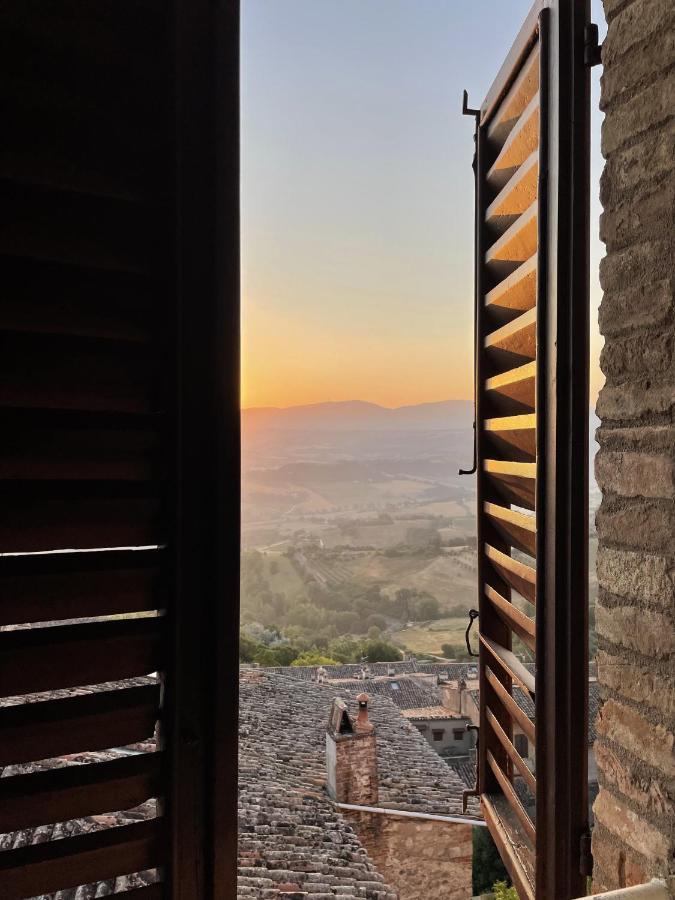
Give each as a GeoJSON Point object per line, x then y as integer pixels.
{"type": "Point", "coordinates": [357, 415]}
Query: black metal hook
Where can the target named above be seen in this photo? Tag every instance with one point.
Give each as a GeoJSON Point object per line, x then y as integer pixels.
{"type": "Point", "coordinates": [473, 468]}
{"type": "Point", "coordinates": [473, 615]}
{"type": "Point", "coordinates": [466, 109]}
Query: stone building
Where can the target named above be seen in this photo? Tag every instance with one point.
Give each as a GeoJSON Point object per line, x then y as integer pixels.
{"type": "Point", "coordinates": [634, 834]}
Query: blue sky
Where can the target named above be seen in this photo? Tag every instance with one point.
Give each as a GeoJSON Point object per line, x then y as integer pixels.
{"type": "Point", "coordinates": [357, 195]}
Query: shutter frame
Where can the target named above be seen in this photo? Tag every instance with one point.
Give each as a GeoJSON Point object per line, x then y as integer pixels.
{"type": "Point", "coordinates": [556, 532]}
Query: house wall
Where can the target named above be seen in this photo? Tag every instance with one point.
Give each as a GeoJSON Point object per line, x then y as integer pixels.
{"type": "Point", "coordinates": [634, 834]}
{"type": "Point", "coordinates": [417, 857]}
{"type": "Point", "coordinates": [448, 742]}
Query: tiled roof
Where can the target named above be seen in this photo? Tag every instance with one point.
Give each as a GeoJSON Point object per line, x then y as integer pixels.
{"type": "Point", "coordinates": [430, 712]}
{"type": "Point", "coordinates": [524, 701]}
{"type": "Point", "coordinates": [403, 692]}
{"type": "Point", "coordinates": [290, 831]}
{"type": "Point", "coordinates": [465, 767]}
{"type": "Point", "coordinates": [347, 670]}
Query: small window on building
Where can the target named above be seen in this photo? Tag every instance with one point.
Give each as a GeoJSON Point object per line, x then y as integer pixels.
{"type": "Point", "coordinates": [395, 686]}
{"type": "Point", "coordinates": [458, 734]}
{"type": "Point", "coordinates": [421, 728]}
{"type": "Point", "coordinates": [520, 743]}
{"type": "Point", "coordinates": [438, 733]}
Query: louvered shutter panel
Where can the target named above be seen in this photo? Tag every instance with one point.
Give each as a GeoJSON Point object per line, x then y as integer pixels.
{"type": "Point", "coordinates": [532, 174]}
{"type": "Point", "coordinates": [118, 371]}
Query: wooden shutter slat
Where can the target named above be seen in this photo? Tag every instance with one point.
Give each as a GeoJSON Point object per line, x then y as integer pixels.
{"type": "Point", "coordinates": [69, 862]}
{"type": "Point", "coordinates": [75, 791]}
{"type": "Point", "coordinates": [513, 436]}
{"type": "Point", "coordinates": [513, 390]}
{"type": "Point", "coordinates": [517, 291]}
{"type": "Point", "coordinates": [517, 337]}
{"type": "Point", "coordinates": [42, 659]}
{"type": "Point", "coordinates": [512, 797]}
{"type": "Point", "coordinates": [80, 585]}
{"type": "Point", "coordinates": [524, 87]}
{"type": "Point", "coordinates": [515, 481]}
{"type": "Point", "coordinates": [518, 529]}
{"type": "Point", "coordinates": [45, 448]}
{"type": "Point", "coordinates": [44, 224]}
{"type": "Point", "coordinates": [510, 706]}
{"type": "Point", "coordinates": [512, 851]}
{"type": "Point", "coordinates": [511, 665]}
{"type": "Point", "coordinates": [517, 195]}
{"type": "Point", "coordinates": [45, 372]}
{"type": "Point", "coordinates": [518, 622]}
{"type": "Point", "coordinates": [519, 576]}
{"type": "Point", "coordinates": [95, 721]}
{"type": "Point", "coordinates": [518, 242]}
{"type": "Point", "coordinates": [513, 754]}
{"type": "Point", "coordinates": [523, 139]}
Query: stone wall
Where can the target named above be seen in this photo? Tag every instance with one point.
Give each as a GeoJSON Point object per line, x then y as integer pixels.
{"type": "Point", "coordinates": [417, 857]}
{"type": "Point", "coordinates": [634, 834]}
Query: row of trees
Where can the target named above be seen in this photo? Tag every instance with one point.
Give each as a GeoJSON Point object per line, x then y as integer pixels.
{"type": "Point", "coordinates": [271, 647]}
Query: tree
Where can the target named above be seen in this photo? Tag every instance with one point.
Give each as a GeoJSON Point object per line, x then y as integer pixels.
{"type": "Point", "coordinates": [380, 651]}
{"type": "Point", "coordinates": [313, 658]}
{"type": "Point", "coordinates": [344, 649]}
{"type": "Point", "coordinates": [502, 891]}
{"type": "Point", "coordinates": [487, 867]}
{"type": "Point", "coordinates": [426, 607]}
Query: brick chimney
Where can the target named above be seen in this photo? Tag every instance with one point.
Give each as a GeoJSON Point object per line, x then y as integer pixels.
{"type": "Point", "coordinates": [351, 755]}
{"type": "Point", "coordinates": [453, 695]}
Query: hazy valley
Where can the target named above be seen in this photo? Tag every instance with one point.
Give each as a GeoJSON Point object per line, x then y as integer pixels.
{"type": "Point", "coordinates": [356, 522]}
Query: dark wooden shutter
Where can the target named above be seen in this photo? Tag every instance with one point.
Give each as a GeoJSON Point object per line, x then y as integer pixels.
{"type": "Point", "coordinates": [532, 177]}
{"type": "Point", "coordinates": [119, 454]}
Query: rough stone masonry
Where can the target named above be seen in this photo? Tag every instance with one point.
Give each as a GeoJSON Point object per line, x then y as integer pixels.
{"type": "Point", "coordinates": [634, 834]}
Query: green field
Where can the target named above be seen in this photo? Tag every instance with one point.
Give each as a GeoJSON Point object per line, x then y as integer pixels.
{"type": "Point", "coordinates": [429, 638]}
{"type": "Point", "coordinates": [286, 579]}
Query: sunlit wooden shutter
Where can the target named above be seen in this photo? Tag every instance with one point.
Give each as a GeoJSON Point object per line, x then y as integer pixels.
{"type": "Point", "coordinates": [119, 447]}
{"type": "Point", "coordinates": [532, 449]}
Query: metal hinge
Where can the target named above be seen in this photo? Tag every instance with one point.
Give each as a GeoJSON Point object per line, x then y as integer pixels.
{"type": "Point", "coordinates": [585, 855]}
{"type": "Point", "coordinates": [592, 46]}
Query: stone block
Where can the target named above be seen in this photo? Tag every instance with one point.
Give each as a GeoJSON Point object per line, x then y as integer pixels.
{"type": "Point", "coordinates": [647, 108]}
{"type": "Point", "coordinates": [636, 69]}
{"type": "Point", "coordinates": [641, 576]}
{"type": "Point", "coordinates": [642, 789]}
{"type": "Point", "coordinates": [638, 217]}
{"type": "Point", "coordinates": [650, 633]}
{"type": "Point", "coordinates": [630, 828]}
{"type": "Point", "coordinates": [620, 866]}
{"type": "Point", "coordinates": [638, 682]}
{"type": "Point", "coordinates": [638, 356]}
{"type": "Point", "coordinates": [638, 307]}
{"type": "Point", "coordinates": [631, 401]}
{"type": "Point", "coordinates": [636, 474]}
{"type": "Point", "coordinates": [643, 263]}
{"type": "Point", "coordinates": [653, 744]}
{"type": "Point", "coordinates": [633, 25]}
{"type": "Point", "coordinates": [643, 524]}
{"type": "Point", "coordinates": [642, 163]}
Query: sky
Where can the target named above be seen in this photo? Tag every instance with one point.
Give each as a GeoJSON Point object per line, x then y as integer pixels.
{"type": "Point", "coordinates": [357, 196]}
